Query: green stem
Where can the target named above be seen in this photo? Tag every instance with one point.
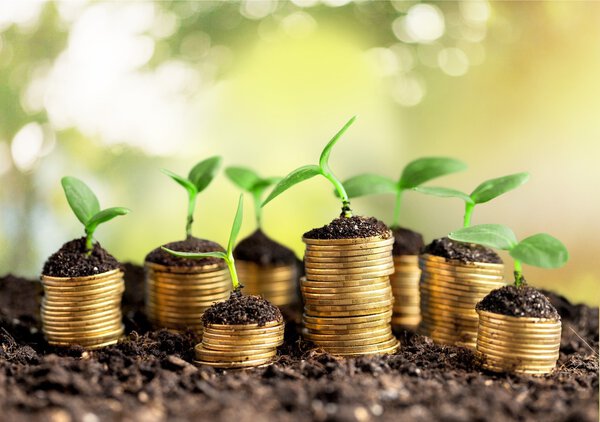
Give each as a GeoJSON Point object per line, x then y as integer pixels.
{"type": "Point", "coordinates": [341, 192]}
{"type": "Point", "coordinates": [89, 242]}
{"type": "Point", "coordinates": [396, 222]}
{"type": "Point", "coordinates": [468, 211]}
{"type": "Point", "coordinates": [234, 277]}
{"type": "Point", "coordinates": [257, 211]}
{"type": "Point", "coordinates": [519, 280]}
{"type": "Point", "coordinates": [190, 214]}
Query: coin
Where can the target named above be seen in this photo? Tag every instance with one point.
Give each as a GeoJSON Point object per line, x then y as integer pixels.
{"type": "Point", "coordinates": [242, 364]}
{"type": "Point", "coordinates": [81, 281]}
{"type": "Point", "coordinates": [341, 342]}
{"type": "Point", "coordinates": [343, 335]}
{"type": "Point", "coordinates": [388, 238]}
{"type": "Point", "coordinates": [367, 277]}
{"type": "Point", "coordinates": [372, 348]}
{"type": "Point", "coordinates": [357, 258]}
{"type": "Point", "coordinates": [375, 316]}
{"type": "Point", "coordinates": [348, 265]}
{"type": "Point", "coordinates": [346, 253]}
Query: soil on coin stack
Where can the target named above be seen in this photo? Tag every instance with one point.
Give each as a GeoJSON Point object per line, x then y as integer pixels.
{"type": "Point", "coordinates": [191, 244]}
{"type": "Point", "coordinates": [463, 252]}
{"type": "Point", "coordinates": [406, 242]}
{"type": "Point", "coordinates": [350, 228]}
{"type": "Point", "coordinates": [242, 309]}
{"type": "Point", "coordinates": [524, 301]}
{"type": "Point", "coordinates": [73, 260]}
{"type": "Point", "coordinates": [262, 250]}
{"type": "Point", "coordinates": [149, 376]}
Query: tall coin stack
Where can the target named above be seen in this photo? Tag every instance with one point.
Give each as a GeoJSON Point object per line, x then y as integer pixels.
{"type": "Point", "coordinates": [449, 292]}
{"type": "Point", "coordinates": [83, 310]}
{"type": "Point", "coordinates": [176, 297]}
{"type": "Point", "coordinates": [518, 344]}
{"type": "Point", "coordinates": [239, 346]}
{"type": "Point", "coordinates": [405, 286]}
{"type": "Point", "coordinates": [347, 295]}
{"type": "Point", "coordinates": [275, 283]}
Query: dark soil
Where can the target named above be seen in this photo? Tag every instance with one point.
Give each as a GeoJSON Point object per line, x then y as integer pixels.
{"type": "Point", "coordinates": [524, 301]}
{"type": "Point", "coordinates": [406, 242]}
{"type": "Point", "coordinates": [262, 250]}
{"type": "Point", "coordinates": [72, 260]}
{"type": "Point", "coordinates": [149, 376]}
{"type": "Point", "coordinates": [242, 309]}
{"type": "Point", "coordinates": [191, 244]}
{"type": "Point", "coordinates": [349, 228]}
{"type": "Point", "coordinates": [463, 252]}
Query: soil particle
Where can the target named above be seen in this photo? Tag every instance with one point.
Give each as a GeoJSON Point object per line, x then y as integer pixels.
{"type": "Point", "coordinates": [406, 241]}
{"type": "Point", "coordinates": [524, 301]}
{"type": "Point", "coordinates": [262, 250]}
{"type": "Point", "coordinates": [463, 252]}
{"type": "Point", "coordinates": [72, 260]}
{"type": "Point", "coordinates": [242, 309]}
{"type": "Point", "coordinates": [349, 228]}
{"type": "Point", "coordinates": [191, 244]}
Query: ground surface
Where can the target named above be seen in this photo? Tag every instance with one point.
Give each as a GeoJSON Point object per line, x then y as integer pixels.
{"type": "Point", "coordinates": [148, 377]}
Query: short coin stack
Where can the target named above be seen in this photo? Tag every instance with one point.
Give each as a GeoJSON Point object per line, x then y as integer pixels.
{"type": "Point", "coordinates": [176, 297]}
{"type": "Point", "coordinates": [449, 292]}
{"type": "Point", "coordinates": [518, 344]}
{"type": "Point", "coordinates": [276, 283]}
{"type": "Point", "coordinates": [239, 346]}
{"type": "Point", "coordinates": [83, 310]}
{"type": "Point", "coordinates": [405, 287]}
{"type": "Point", "coordinates": [347, 295]}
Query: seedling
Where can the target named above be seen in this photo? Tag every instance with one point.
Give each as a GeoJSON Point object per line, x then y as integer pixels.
{"type": "Point", "coordinates": [86, 207]}
{"type": "Point", "coordinates": [414, 174]}
{"type": "Point", "coordinates": [198, 179]}
{"type": "Point", "coordinates": [247, 180]}
{"type": "Point", "coordinates": [306, 172]}
{"type": "Point", "coordinates": [539, 250]}
{"type": "Point", "coordinates": [226, 256]}
{"type": "Point", "coordinates": [485, 192]}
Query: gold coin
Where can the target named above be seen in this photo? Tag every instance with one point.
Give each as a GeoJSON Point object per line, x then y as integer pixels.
{"type": "Point", "coordinates": [241, 327]}
{"type": "Point", "coordinates": [380, 289]}
{"type": "Point", "coordinates": [346, 253]}
{"type": "Point", "coordinates": [349, 313]}
{"type": "Point", "coordinates": [532, 349]}
{"type": "Point", "coordinates": [81, 331]}
{"type": "Point", "coordinates": [520, 338]}
{"type": "Point", "coordinates": [347, 259]}
{"type": "Point", "coordinates": [438, 260]}
{"type": "Point", "coordinates": [387, 238]}
{"type": "Point", "coordinates": [471, 291]}
{"type": "Point", "coordinates": [233, 329]}
{"type": "Point", "coordinates": [357, 247]}
{"type": "Point", "coordinates": [407, 259]}
{"type": "Point", "coordinates": [369, 348]}
{"type": "Point", "coordinates": [346, 335]}
{"type": "Point", "coordinates": [342, 342]}
{"type": "Point", "coordinates": [468, 284]}
{"type": "Point", "coordinates": [453, 300]}
{"type": "Point", "coordinates": [365, 288]}
{"type": "Point", "coordinates": [367, 277]}
{"type": "Point", "coordinates": [82, 300]}
{"type": "Point", "coordinates": [334, 269]}
{"type": "Point", "coordinates": [68, 307]}
{"type": "Point", "coordinates": [346, 330]}
{"type": "Point", "coordinates": [344, 264]}
{"type": "Point", "coordinates": [343, 303]}
{"type": "Point", "coordinates": [184, 269]}
{"type": "Point", "coordinates": [80, 281]}
{"type": "Point", "coordinates": [203, 356]}
{"type": "Point", "coordinates": [87, 345]}
{"type": "Point", "coordinates": [517, 355]}
{"type": "Point", "coordinates": [77, 313]}
{"type": "Point", "coordinates": [368, 305]}
{"type": "Point", "coordinates": [105, 284]}
{"type": "Point", "coordinates": [344, 283]}
{"type": "Point", "coordinates": [241, 347]}
{"type": "Point", "coordinates": [86, 336]}
{"type": "Point", "coordinates": [406, 321]}
{"type": "Point", "coordinates": [187, 299]}
{"type": "Point", "coordinates": [375, 316]}
{"type": "Point", "coordinates": [233, 365]}
{"type": "Point", "coordinates": [525, 322]}
{"type": "Point", "coordinates": [75, 324]}
{"type": "Point", "coordinates": [243, 339]}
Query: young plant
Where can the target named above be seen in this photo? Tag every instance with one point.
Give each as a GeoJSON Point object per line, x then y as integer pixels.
{"type": "Point", "coordinates": [226, 256]}
{"type": "Point", "coordinates": [539, 250]}
{"type": "Point", "coordinates": [306, 172]}
{"type": "Point", "coordinates": [250, 182]}
{"type": "Point", "coordinates": [485, 192]}
{"type": "Point", "coordinates": [414, 174]}
{"type": "Point", "coordinates": [198, 179]}
{"type": "Point", "coordinates": [86, 207]}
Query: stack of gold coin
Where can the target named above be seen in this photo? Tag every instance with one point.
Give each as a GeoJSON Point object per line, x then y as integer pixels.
{"type": "Point", "coordinates": [276, 283]}
{"type": "Point", "coordinates": [405, 286]}
{"type": "Point", "coordinates": [83, 310]}
{"type": "Point", "coordinates": [239, 346]}
{"type": "Point", "coordinates": [176, 297]}
{"type": "Point", "coordinates": [518, 344]}
{"type": "Point", "coordinates": [347, 295]}
{"type": "Point", "coordinates": [449, 292]}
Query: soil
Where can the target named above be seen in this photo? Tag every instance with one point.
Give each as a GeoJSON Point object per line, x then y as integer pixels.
{"type": "Point", "coordinates": [406, 242]}
{"type": "Point", "coordinates": [149, 376]}
{"type": "Point", "coordinates": [349, 228]}
{"type": "Point", "coordinates": [73, 260]}
{"type": "Point", "coordinates": [463, 252]}
{"type": "Point", "coordinates": [191, 244]}
{"type": "Point", "coordinates": [262, 250]}
{"type": "Point", "coordinates": [524, 301]}
{"type": "Point", "coordinates": [242, 309]}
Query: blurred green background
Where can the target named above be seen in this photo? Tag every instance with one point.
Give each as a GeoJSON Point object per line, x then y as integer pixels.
{"type": "Point", "coordinates": [112, 91]}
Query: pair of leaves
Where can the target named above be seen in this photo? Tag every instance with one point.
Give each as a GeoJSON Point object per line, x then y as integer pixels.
{"type": "Point", "coordinates": [86, 206]}
{"type": "Point", "coordinates": [199, 176]}
{"type": "Point", "coordinates": [539, 250]}
{"type": "Point", "coordinates": [249, 181]}
{"type": "Point", "coordinates": [306, 172]}
{"type": "Point", "coordinates": [485, 192]}
{"type": "Point", "coordinates": [414, 174]}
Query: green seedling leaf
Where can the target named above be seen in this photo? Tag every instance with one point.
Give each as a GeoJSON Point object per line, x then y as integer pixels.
{"type": "Point", "coordinates": [425, 169]}
{"type": "Point", "coordinates": [541, 250]}
{"type": "Point", "coordinates": [243, 177]}
{"type": "Point", "coordinates": [368, 184]}
{"type": "Point", "coordinates": [494, 236]}
{"type": "Point", "coordinates": [189, 186]}
{"type": "Point", "coordinates": [262, 184]}
{"type": "Point", "coordinates": [237, 224]}
{"type": "Point", "coordinates": [493, 188]}
{"type": "Point", "coordinates": [196, 255]}
{"type": "Point", "coordinates": [204, 172]}
{"type": "Point", "coordinates": [104, 216]}
{"type": "Point", "coordinates": [444, 193]}
{"type": "Point", "coordinates": [295, 177]}
{"type": "Point", "coordinates": [324, 159]}
{"type": "Point", "coordinates": [81, 199]}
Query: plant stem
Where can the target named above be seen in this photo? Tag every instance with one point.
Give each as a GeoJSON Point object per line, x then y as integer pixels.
{"type": "Point", "coordinates": [257, 210]}
{"type": "Point", "coordinates": [341, 192]}
{"type": "Point", "coordinates": [519, 280]}
{"type": "Point", "coordinates": [468, 211]}
{"type": "Point", "coordinates": [89, 242]}
{"type": "Point", "coordinates": [396, 222]}
{"type": "Point", "coordinates": [234, 277]}
{"type": "Point", "coordinates": [190, 214]}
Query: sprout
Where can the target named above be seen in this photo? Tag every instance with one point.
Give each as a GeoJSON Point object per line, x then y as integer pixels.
{"type": "Point", "coordinates": [306, 172]}
{"type": "Point", "coordinates": [485, 192]}
{"type": "Point", "coordinates": [226, 256]}
{"type": "Point", "coordinates": [199, 178]}
{"type": "Point", "coordinates": [414, 174]}
{"type": "Point", "coordinates": [252, 183]}
{"type": "Point", "coordinates": [86, 207]}
{"type": "Point", "coordinates": [539, 250]}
